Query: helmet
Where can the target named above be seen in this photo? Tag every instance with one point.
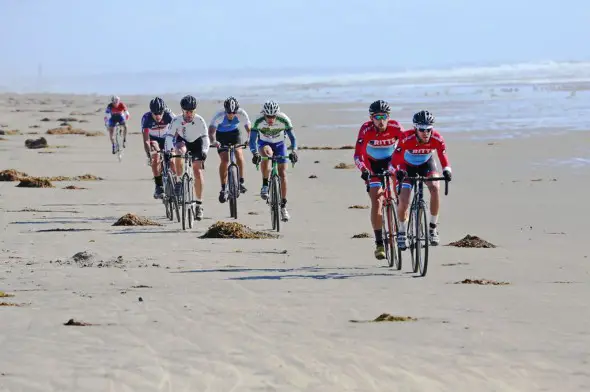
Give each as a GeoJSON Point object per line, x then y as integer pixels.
{"type": "Point", "coordinates": [424, 118]}
{"type": "Point", "coordinates": [270, 108]}
{"type": "Point", "coordinates": [379, 106]}
{"type": "Point", "coordinates": [157, 105]}
{"type": "Point", "coordinates": [114, 98]}
{"type": "Point", "coordinates": [231, 105]}
{"type": "Point", "coordinates": [188, 103]}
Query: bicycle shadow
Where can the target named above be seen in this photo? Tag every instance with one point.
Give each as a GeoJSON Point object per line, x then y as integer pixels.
{"type": "Point", "coordinates": [307, 272]}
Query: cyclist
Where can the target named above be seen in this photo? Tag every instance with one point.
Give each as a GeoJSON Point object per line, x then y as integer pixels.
{"type": "Point", "coordinates": [223, 129]}
{"type": "Point", "coordinates": [269, 129]}
{"type": "Point", "coordinates": [414, 156]}
{"type": "Point", "coordinates": [375, 144]}
{"type": "Point", "coordinates": [154, 125]}
{"type": "Point", "coordinates": [116, 113]}
{"type": "Point", "coordinates": [188, 133]}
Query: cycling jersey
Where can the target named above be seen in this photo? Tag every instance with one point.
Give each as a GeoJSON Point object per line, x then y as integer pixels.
{"type": "Point", "coordinates": [114, 110]}
{"type": "Point", "coordinates": [272, 134]}
{"type": "Point", "coordinates": [374, 145]}
{"type": "Point", "coordinates": [411, 152]}
{"type": "Point", "coordinates": [222, 124]}
{"type": "Point", "coordinates": [156, 129]}
{"type": "Point", "coordinates": [188, 131]}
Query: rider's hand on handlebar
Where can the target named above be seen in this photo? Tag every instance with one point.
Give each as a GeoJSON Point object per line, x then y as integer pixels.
{"type": "Point", "coordinates": [400, 175]}
{"type": "Point", "coordinates": [215, 144]}
{"type": "Point", "coordinates": [447, 175]}
{"type": "Point", "coordinates": [365, 174]}
{"type": "Point", "coordinates": [293, 157]}
{"type": "Point", "coordinates": [256, 158]}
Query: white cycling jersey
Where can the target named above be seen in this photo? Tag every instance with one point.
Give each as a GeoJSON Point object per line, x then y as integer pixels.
{"type": "Point", "coordinates": [189, 131]}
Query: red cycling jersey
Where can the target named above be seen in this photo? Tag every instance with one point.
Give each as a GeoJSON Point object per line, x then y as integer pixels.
{"type": "Point", "coordinates": [411, 152]}
{"type": "Point", "coordinates": [120, 108]}
{"type": "Point", "coordinates": [375, 145]}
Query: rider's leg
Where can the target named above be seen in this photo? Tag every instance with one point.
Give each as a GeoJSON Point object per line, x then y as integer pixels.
{"type": "Point", "coordinates": [199, 179]}
{"type": "Point", "coordinates": [241, 165]}
{"type": "Point", "coordinates": [402, 213]}
{"type": "Point", "coordinates": [223, 164]}
{"type": "Point", "coordinates": [434, 188]}
{"type": "Point", "coordinates": [265, 165]}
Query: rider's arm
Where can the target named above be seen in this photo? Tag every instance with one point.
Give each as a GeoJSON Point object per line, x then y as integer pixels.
{"type": "Point", "coordinates": [170, 136]}
{"type": "Point", "coordinates": [204, 133]}
{"type": "Point", "coordinates": [146, 135]}
{"type": "Point", "coordinates": [360, 149]}
{"type": "Point", "coordinates": [441, 150]}
{"type": "Point", "coordinates": [253, 140]}
{"type": "Point", "coordinates": [245, 119]}
{"type": "Point", "coordinates": [107, 114]}
{"type": "Point", "coordinates": [215, 121]}
{"type": "Point", "coordinates": [292, 138]}
{"type": "Point", "coordinates": [397, 158]}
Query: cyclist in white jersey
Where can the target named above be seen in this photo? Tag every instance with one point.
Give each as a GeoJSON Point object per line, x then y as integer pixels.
{"type": "Point", "coordinates": [188, 133]}
{"type": "Point", "coordinates": [268, 132]}
{"type": "Point", "coordinates": [223, 130]}
{"type": "Point", "coordinates": [154, 125]}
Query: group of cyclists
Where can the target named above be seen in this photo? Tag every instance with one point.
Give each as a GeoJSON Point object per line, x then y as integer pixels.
{"type": "Point", "coordinates": [188, 132]}
{"type": "Point", "coordinates": [382, 145]}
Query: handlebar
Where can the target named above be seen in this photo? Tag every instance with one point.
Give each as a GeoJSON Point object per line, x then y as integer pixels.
{"type": "Point", "coordinates": [431, 179]}
{"type": "Point", "coordinates": [275, 158]}
{"type": "Point", "coordinates": [243, 145]}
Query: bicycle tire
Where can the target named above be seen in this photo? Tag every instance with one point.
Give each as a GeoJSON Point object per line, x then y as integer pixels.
{"type": "Point", "coordinates": [274, 203]}
{"type": "Point", "coordinates": [118, 142]}
{"type": "Point", "coordinates": [423, 240]}
{"type": "Point", "coordinates": [387, 234]}
{"type": "Point", "coordinates": [176, 201]}
{"type": "Point", "coordinates": [397, 250]}
{"type": "Point", "coordinates": [192, 212]}
{"type": "Point", "coordinates": [411, 238]}
{"type": "Point", "coordinates": [232, 182]}
{"type": "Point", "coordinates": [168, 196]}
{"type": "Point", "coordinates": [185, 200]}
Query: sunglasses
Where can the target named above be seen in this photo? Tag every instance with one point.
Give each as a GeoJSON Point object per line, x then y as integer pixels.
{"type": "Point", "coordinates": [381, 116]}
{"type": "Point", "coordinates": [424, 128]}
{"type": "Point", "coordinates": [270, 117]}
{"type": "Point", "coordinates": [158, 113]}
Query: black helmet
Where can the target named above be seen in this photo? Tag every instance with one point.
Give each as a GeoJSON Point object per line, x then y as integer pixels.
{"type": "Point", "coordinates": [423, 117]}
{"type": "Point", "coordinates": [231, 105]}
{"type": "Point", "coordinates": [157, 105]}
{"type": "Point", "coordinates": [379, 106]}
{"type": "Point", "coordinates": [188, 103]}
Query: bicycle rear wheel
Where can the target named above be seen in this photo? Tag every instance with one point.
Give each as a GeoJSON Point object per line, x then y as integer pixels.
{"type": "Point", "coordinates": [274, 203]}
{"type": "Point", "coordinates": [422, 239]}
{"type": "Point", "coordinates": [119, 143]}
{"type": "Point", "coordinates": [232, 183]}
{"type": "Point", "coordinates": [387, 230]}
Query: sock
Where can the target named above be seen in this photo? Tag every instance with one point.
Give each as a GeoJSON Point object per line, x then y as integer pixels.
{"type": "Point", "coordinates": [265, 182]}
{"type": "Point", "coordinates": [158, 180]}
{"type": "Point", "coordinates": [223, 187]}
{"type": "Point", "coordinates": [402, 226]}
{"type": "Point", "coordinates": [432, 226]}
{"type": "Point", "coordinates": [283, 203]}
{"type": "Point", "coordinates": [379, 237]}
{"type": "Point", "coordinates": [433, 219]}
{"type": "Point", "coordinates": [242, 180]}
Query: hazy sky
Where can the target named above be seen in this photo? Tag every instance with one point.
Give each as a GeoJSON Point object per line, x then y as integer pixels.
{"type": "Point", "coordinates": [94, 36]}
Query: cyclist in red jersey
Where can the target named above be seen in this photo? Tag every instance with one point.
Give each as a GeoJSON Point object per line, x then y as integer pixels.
{"type": "Point", "coordinates": [116, 112]}
{"type": "Point", "coordinates": [414, 156]}
{"type": "Point", "coordinates": [375, 145]}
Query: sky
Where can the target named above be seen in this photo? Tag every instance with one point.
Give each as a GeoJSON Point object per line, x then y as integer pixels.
{"type": "Point", "coordinates": [79, 37]}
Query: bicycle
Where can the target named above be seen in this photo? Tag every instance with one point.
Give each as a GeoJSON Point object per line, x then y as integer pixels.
{"type": "Point", "coordinates": [186, 197]}
{"type": "Point", "coordinates": [420, 240]}
{"type": "Point", "coordinates": [233, 178]}
{"type": "Point", "coordinates": [118, 141]}
{"type": "Point", "coordinates": [390, 225]}
{"type": "Point", "coordinates": [169, 198]}
{"type": "Point", "coordinates": [274, 198]}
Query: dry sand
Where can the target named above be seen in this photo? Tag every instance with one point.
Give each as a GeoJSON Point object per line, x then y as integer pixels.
{"type": "Point", "coordinates": [172, 312]}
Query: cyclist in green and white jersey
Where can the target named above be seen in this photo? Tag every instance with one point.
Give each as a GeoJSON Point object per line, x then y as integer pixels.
{"type": "Point", "coordinates": [269, 129]}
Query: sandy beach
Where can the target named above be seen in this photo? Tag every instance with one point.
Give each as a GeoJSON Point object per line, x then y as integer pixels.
{"type": "Point", "coordinates": [170, 311]}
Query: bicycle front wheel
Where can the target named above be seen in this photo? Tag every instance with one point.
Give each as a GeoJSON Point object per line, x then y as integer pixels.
{"type": "Point", "coordinates": [185, 201]}
{"type": "Point", "coordinates": [119, 143]}
{"type": "Point", "coordinates": [274, 203]}
{"type": "Point", "coordinates": [422, 240]}
{"type": "Point", "coordinates": [411, 236]}
{"type": "Point", "coordinates": [232, 183]}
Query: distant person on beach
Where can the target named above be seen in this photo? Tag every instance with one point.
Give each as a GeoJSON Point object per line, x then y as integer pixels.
{"type": "Point", "coordinates": [154, 125]}
{"type": "Point", "coordinates": [269, 129]}
{"type": "Point", "coordinates": [116, 113]}
{"type": "Point", "coordinates": [414, 157]}
{"type": "Point", "coordinates": [375, 145]}
{"type": "Point", "coordinates": [190, 134]}
{"type": "Point", "coordinates": [224, 129]}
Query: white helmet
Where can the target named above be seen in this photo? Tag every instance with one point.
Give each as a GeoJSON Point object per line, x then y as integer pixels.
{"type": "Point", "coordinates": [114, 99]}
{"type": "Point", "coordinates": [270, 108]}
